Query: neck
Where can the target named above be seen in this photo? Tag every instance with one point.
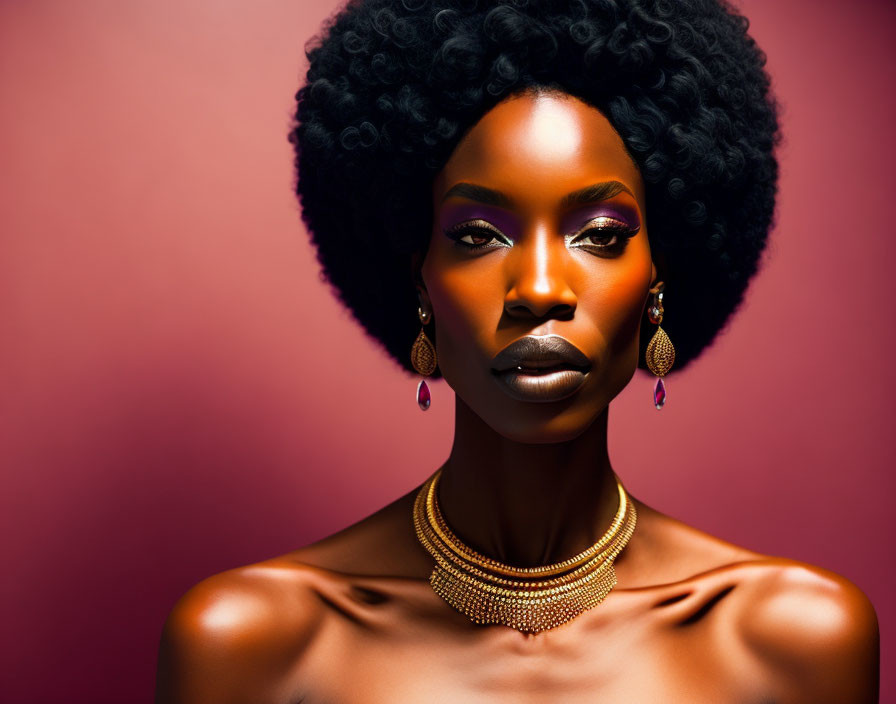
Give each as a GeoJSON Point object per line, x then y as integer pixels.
{"type": "Point", "coordinates": [525, 504]}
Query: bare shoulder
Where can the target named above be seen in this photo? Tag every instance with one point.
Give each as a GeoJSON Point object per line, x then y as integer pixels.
{"type": "Point", "coordinates": [813, 632]}
{"type": "Point", "coordinates": [813, 627]}
{"type": "Point", "coordinates": [234, 635]}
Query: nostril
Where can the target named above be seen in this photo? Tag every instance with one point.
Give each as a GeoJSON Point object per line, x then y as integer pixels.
{"type": "Point", "coordinates": [560, 311]}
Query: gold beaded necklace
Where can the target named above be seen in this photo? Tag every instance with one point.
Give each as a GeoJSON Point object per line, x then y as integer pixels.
{"type": "Point", "coordinates": [529, 599]}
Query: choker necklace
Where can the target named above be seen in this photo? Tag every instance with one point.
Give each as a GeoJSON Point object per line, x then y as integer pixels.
{"type": "Point", "coordinates": [529, 599]}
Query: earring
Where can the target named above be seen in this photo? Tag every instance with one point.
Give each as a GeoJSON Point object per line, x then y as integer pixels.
{"type": "Point", "coordinates": [660, 352]}
{"type": "Point", "coordinates": [423, 359]}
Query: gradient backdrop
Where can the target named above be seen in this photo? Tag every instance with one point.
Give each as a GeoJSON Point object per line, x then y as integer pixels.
{"type": "Point", "coordinates": [179, 393]}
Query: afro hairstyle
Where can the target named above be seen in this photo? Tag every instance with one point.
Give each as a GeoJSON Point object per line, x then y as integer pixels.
{"type": "Point", "coordinates": [393, 85]}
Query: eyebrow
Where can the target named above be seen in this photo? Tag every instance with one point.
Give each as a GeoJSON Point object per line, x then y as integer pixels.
{"type": "Point", "coordinates": [590, 194]}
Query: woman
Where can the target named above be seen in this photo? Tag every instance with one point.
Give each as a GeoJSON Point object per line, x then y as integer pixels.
{"type": "Point", "coordinates": [530, 199]}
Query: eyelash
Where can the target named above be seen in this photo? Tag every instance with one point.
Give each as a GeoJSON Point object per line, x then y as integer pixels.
{"type": "Point", "coordinates": [623, 233]}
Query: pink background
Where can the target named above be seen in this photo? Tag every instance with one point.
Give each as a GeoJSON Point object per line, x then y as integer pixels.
{"type": "Point", "coordinates": [179, 394]}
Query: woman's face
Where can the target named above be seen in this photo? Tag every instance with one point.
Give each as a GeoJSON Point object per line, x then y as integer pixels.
{"type": "Point", "coordinates": [538, 269]}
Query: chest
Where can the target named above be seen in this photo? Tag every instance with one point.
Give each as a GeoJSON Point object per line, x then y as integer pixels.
{"type": "Point", "coordinates": [612, 661]}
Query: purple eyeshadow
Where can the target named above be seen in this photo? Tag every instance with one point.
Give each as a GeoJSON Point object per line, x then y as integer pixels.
{"type": "Point", "coordinates": [578, 218]}
{"type": "Point", "coordinates": [509, 224]}
{"type": "Point", "coordinates": [455, 214]}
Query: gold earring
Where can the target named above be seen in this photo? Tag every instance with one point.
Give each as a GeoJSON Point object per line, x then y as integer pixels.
{"type": "Point", "coordinates": [660, 352]}
{"type": "Point", "coordinates": [423, 359]}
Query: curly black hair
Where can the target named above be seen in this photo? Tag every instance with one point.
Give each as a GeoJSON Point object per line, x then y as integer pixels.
{"type": "Point", "coordinates": [393, 85]}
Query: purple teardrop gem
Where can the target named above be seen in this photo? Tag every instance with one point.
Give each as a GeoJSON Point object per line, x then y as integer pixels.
{"type": "Point", "coordinates": [659, 393]}
{"type": "Point", "coordinates": [423, 397]}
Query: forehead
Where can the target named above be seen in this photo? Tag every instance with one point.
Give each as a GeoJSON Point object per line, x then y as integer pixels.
{"type": "Point", "coordinates": [540, 147]}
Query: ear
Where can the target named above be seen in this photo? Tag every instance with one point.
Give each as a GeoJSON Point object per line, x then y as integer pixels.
{"type": "Point", "coordinates": [657, 275]}
{"type": "Point", "coordinates": [417, 277]}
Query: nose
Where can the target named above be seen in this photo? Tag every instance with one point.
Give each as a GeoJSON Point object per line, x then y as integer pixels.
{"type": "Point", "coordinates": [539, 286]}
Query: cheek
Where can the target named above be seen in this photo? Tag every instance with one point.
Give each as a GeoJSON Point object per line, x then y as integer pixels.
{"type": "Point", "coordinates": [467, 301]}
{"type": "Point", "coordinates": [615, 300]}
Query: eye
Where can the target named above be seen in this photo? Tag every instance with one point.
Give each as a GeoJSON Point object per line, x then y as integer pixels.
{"type": "Point", "coordinates": [477, 234]}
{"type": "Point", "coordinates": [604, 235]}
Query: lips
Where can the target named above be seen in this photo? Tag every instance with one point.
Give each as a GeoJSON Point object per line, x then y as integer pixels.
{"type": "Point", "coordinates": [540, 368]}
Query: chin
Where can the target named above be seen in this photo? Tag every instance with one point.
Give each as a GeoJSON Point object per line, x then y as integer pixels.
{"type": "Point", "coordinates": [544, 424]}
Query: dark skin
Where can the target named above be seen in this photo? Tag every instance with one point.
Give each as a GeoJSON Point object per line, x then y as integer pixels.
{"type": "Point", "coordinates": [353, 618]}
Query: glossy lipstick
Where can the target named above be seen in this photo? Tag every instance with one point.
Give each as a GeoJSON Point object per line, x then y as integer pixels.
{"type": "Point", "coordinates": [540, 368]}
